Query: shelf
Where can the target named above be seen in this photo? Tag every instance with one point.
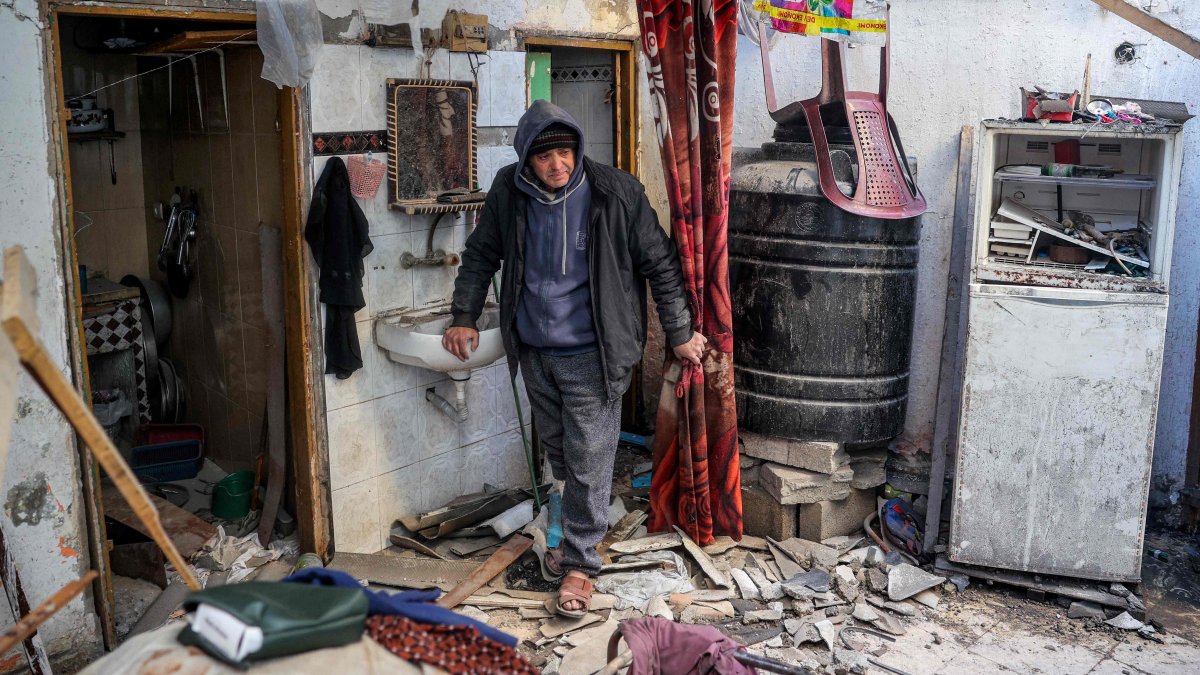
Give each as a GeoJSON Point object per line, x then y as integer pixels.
{"type": "Point", "coordinates": [95, 136]}
{"type": "Point", "coordinates": [435, 207]}
{"type": "Point", "coordinates": [191, 41]}
{"type": "Point", "coordinates": [1126, 183]}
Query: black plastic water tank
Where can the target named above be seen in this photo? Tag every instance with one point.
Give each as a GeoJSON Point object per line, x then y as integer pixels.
{"type": "Point", "coordinates": [822, 305]}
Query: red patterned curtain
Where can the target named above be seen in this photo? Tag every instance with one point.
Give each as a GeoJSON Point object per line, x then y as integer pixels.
{"type": "Point", "coordinates": [691, 46]}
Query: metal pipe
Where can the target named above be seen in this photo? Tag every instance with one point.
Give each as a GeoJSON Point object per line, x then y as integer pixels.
{"type": "Point", "coordinates": [458, 413]}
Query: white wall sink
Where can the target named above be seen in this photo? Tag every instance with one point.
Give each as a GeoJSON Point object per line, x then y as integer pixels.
{"type": "Point", "coordinates": [414, 338]}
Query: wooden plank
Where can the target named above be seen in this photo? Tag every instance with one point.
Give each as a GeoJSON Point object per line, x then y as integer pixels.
{"type": "Point", "coordinates": [27, 625]}
{"type": "Point", "coordinates": [1154, 26]}
{"type": "Point", "coordinates": [15, 307]}
{"type": "Point", "coordinates": [103, 597]}
{"type": "Point", "coordinates": [271, 263]}
{"type": "Point", "coordinates": [184, 529]}
{"type": "Point", "coordinates": [954, 330]}
{"type": "Point", "coordinates": [495, 564]}
{"type": "Point", "coordinates": [503, 601]}
{"type": "Point", "coordinates": [390, 570]}
{"type": "Point", "coordinates": [655, 542]}
{"type": "Point", "coordinates": [706, 564]}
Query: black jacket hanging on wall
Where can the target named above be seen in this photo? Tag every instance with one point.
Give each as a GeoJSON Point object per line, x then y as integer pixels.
{"type": "Point", "coordinates": [338, 235]}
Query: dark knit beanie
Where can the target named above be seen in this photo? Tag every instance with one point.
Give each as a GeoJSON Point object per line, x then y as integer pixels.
{"type": "Point", "coordinates": [553, 137]}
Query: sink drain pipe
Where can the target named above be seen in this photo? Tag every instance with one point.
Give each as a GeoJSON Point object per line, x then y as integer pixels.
{"type": "Point", "coordinates": [456, 411]}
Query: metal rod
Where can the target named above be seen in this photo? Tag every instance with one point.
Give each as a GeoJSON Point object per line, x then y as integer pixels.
{"type": "Point", "coordinates": [199, 103]}
{"type": "Point", "coordinates": [224, 87]}
{"type": "Point", "coordinates": [537, 497]}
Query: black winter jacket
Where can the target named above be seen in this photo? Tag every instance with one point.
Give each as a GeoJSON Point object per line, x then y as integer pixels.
{"type": "Point", "coordinates": [627, 249]}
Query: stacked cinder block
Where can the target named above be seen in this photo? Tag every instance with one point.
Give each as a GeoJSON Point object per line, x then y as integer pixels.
{"type": "Point", "coordinates": [809, 489]}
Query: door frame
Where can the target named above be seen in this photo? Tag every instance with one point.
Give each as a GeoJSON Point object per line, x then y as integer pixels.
{"type": "Point", "coordinates": [625, 108]}
{"type": "Point", "coordinates": [306, 432]}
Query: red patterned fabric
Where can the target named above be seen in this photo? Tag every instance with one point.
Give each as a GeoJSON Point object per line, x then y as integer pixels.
{"type": "Point", "coordinates": [455, 649]}
{"type": "Point", "coordinates": [691, 46]}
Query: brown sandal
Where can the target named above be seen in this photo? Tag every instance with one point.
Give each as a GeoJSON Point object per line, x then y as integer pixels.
{"type": "Point", "coordinates": [575, 586]}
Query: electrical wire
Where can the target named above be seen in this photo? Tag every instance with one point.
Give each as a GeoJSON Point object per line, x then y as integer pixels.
{"type": "Point", "coordinates": [153, 70]}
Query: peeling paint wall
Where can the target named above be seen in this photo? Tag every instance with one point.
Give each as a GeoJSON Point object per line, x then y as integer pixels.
{"type": "Point", "coordinates": [957, 62]}
{"type": "Point", "coordinates": [43, 507]}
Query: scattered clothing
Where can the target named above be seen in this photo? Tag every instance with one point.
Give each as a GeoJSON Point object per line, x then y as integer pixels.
{"type": "Point", "coordinates": [338, 234]}
{"type": "Point", "coordinates": [662, 647]}
{"type": "Point", "coordinates": [578, 426]}
{"type": "Point", "coordinates": [455, 649]}
{"type": "Point", "coordinates": [415, 605]}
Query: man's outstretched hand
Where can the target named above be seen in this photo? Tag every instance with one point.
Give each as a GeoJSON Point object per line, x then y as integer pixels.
{"type": "Point", "coordinates": [692, 350]}
{"type": "Point", "coordinates": [458, 339]}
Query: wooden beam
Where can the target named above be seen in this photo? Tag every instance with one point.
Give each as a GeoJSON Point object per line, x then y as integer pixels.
{"type": "Point", "coordinates": [103, 597]}
{"type": "Point", "coordinates": [1154, 26]}
{"type": "Point", "coordinates": [141, 11]}
{"type": "Point", "coordinates": [495, 564]}
{"type": "Point", "coordinates": [304, 380]}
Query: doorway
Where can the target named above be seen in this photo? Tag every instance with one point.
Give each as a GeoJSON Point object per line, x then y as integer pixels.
{"type": "Point", "coordinates": [180, 167]}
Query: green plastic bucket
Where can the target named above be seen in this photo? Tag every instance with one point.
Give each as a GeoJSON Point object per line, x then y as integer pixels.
{"type": "Point", "coordinates": [231, 495]}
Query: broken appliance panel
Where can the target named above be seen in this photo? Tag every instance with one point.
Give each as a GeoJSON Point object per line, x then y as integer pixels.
{"type": "Point", "coordinates": [1063, 359]}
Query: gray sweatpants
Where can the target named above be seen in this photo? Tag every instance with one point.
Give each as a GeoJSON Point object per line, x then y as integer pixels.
{"type": "Point", "coordinates": [579, 428]}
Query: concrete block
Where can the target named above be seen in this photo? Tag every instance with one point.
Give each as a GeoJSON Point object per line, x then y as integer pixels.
{"type": "Point", "coordinates": [801, 486]}
{"type": "Point", "coordinates": [833, 518]}
{"type": "Point", "coordinates": [819, 456]}
{"type": "Point", "coordinates": [763, 516]}
{"type": "Point", "coordinates": [870, 469]}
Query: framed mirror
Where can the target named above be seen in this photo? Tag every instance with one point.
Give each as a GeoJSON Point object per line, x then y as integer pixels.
{"type": "Point", "coordinates": [431, 141]}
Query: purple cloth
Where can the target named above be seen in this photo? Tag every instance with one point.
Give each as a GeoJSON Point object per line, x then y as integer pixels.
{"type": "Point", "coordinates": [662, 647]}
{"type": "Point", "coordinates": [415, 605]}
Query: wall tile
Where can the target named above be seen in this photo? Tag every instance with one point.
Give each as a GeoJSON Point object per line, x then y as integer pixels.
{"type": "Point", "coordinates": [436, 433]}
{"type": "Point", "coordinates": [505, 82]}
{"type": "Point", "coordinates": [240, 75]}
{"type": "Point", "coordinates": [442, 478]}
{"type": "Point", "coordinates": [381, 219]}
{"type": "Point", "coordinates": [391, 377]}
{"type": "Point", "coordinates": [391, 284]}
{"type": "Point", "coordinates": [359, 387]}
{"type": "Point", "coordinates": [255, 341]}
{"type": "Point", "coordinates": [356, 519]}
{"type": "Point", "coordinates": [245, 182]}
{"type": "Point", "coordinates": [396, 434]}
{"type": "Point", "coordinates": [491, 160]}
{"type": "Point", "coordinates": [352, 450]}
{"type": "Point", "coordinates": [266, 96]}
{"type": "Point", "coordinates": [221, 201]}
{"type": "Point", "coordinates": [486, 394]}
{"type": "Point", "coordinates": [435, 285]}
{"type": "Point", "coordinates": [376, 66]}
{"type": "Point", "coordinates": [336, 91]}
{"type": "Point", "coordinates": [267, 159]}
{"type": "Point", "coordinates": [249, 278]}
{"type": "Point", "coordinates": [399, 495]}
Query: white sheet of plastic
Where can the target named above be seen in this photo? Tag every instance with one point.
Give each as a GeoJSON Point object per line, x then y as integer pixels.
{"type": "Point", "coordinates": [289, 35]}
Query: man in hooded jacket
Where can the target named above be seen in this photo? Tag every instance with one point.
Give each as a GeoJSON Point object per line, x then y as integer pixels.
{"type": "Point", "coordinates": [578, 241]}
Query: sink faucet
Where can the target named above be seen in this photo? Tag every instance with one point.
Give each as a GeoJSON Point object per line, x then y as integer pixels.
{"type": "Point", "coordinates": [432, 258]}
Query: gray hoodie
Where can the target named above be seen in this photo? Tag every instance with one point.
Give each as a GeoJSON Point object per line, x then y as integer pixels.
{"type": "Point", "coordinates": [555, 310]}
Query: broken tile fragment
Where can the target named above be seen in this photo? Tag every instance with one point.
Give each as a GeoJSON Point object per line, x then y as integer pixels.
{"type": "Point", "coordinates": [863, 612]}
{"type": "Point", "coordinates": [1125, 622]}
{"type": "Point", "coordinates": [827, 632]}
{"type": "Point", "coordinates": [905, 581]}
{"type": "Point", "coordinates": [1082, 609]}
{"type": "Point", "coordinates": [817, 580]}
{"type": "Point", "coordinates": [745, 585]}
{"type": "Point", "coordinates": [927, 598]}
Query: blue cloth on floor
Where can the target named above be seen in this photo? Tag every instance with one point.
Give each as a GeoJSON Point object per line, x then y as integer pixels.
{"type": "Point", "coordinates": [415, 605]}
